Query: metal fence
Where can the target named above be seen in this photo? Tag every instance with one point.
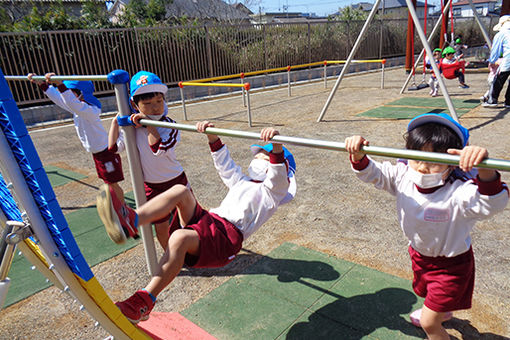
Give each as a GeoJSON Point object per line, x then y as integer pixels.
{"type": "Point", "coordinates": [194, 52]}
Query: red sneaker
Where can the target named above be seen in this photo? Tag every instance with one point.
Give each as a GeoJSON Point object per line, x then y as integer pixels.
{"type": "Point", "coordinates": [120, 221]}
{"type": "Point", "coordinates": [138, 307]}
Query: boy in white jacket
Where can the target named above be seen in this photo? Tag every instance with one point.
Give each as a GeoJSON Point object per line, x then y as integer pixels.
{"type": "Point", "coordinates": [208, 238]}
{"type": "Point", "coordinates": [76, 97]}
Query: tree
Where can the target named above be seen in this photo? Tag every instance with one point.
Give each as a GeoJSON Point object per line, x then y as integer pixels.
{"type": "Point", "coordinates": [349, 13]}
{"type": "Point", "coordinates": [94, 15]}
{"type": "Point", "coordinates": [141, 13]}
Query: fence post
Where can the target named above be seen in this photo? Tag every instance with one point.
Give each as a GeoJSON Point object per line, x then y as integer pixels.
{"type": "Point", "coordinates": [247, 88]}
{"type": "Point", "coordinates": [382, 73]}
{"type": "Point", "coordinates": [209, 53]}
{"type": "Point", "coordinates": [325, 74]}
{"type": "Point", "coordinates": [288, 80]}
{"type": "Point", "coordinates": [243, 90]}
{"type": "Point", "coordinates": [309, 47]}
{"type": "Point", "coordinates": [265, 49]}
{"type": "Point", "coordinates": [140, 66]}
{"type": "Point", "coordinates": [55, 59]}
{"type": "Point", "coordinates": [183, 99]}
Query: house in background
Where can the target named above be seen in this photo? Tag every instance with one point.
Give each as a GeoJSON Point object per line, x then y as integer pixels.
{"type": "Point", "coordinates": [202, 10]}
{"type": "Point", "coordinates": [462, 8]}
{"type": "Point", "coordinates": [396, 9]}
{"type": "Point", "coordinates": [17, 9]}
{"type": "Point", "coordinates": [285, 17]}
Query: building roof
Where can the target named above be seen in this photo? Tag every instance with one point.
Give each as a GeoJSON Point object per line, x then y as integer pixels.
{"type": "Point", "coordinates": [388, 4]}
{"type": "Point", "coordinates": [205, 9]}
{"type": "Point", "coordinates": [466, 2]}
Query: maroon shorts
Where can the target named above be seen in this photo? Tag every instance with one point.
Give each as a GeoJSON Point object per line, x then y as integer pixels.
{"type": "Point", "coordinates": [446, 283]}
{"type": "Point", "coordinates": [108, 166]}
{"type": "Point", "coordinates": [220, 240]}
{"type": "Point", "coordinates": [154, 189]}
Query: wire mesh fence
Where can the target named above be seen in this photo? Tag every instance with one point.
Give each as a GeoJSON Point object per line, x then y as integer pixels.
{"type": "Point", "coordinates": [192, 52]}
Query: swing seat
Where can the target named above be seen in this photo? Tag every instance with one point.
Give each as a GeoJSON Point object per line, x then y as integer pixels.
{"type": "Point", "coordinates": [449, 69]}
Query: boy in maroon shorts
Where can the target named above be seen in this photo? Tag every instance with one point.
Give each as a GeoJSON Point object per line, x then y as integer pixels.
{"type": "Point", "coordinates": [208, 238]}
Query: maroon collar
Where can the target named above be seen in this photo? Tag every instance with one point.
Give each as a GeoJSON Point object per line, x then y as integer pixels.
{"type": "Point", "coordinates": [428, 190]}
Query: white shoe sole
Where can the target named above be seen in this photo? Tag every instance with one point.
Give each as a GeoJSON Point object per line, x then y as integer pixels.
{"type": "Point", "coordinates": [109, 216]}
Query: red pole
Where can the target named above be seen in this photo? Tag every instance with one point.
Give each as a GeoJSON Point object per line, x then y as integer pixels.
{"type": "Point", "coordinates": [444, 27]}
{"type": "Point", "coordinates": [505, 7]}
{"type": "Point", "coordinates": [410, 42]}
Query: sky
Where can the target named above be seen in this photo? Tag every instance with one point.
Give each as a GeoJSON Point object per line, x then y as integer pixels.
{"type": "Point", "coordinates": [319, 7]}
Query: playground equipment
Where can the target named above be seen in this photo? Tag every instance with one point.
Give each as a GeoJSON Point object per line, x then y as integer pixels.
{"type": "Point", "coordinates": [244, 86]}
{"type": "Point", "coordinates": [61, 260]}
{"type": "Point", "coordinates": [426, 49]}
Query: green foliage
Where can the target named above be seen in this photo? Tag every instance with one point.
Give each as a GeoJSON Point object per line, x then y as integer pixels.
{"type": "Point", "coordinates": [349, 13]}
{"type": "Point", "coordinates": [141, 13]}
{"type": "Point", "coordinates": [5, 21]}
{"type": "Point", "coordinates": [94, 15]}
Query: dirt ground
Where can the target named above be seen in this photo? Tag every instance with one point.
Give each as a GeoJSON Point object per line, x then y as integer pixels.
{"type": "Point", "coordinates": [333, 212]}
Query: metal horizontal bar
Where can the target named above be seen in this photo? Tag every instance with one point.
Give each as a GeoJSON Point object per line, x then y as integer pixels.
{"type": "Point", "coordinates": [435, 157]}
{"type": "Point", "coordinates": [85, 77]}
{"type": "Point", "coordinates": [355, 61]}
{"type": "Point", "coordinates": [187, 83]}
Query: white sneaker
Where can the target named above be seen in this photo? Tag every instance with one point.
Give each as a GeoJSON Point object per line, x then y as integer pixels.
{"type": "Point", "coordinates": [416, 315]}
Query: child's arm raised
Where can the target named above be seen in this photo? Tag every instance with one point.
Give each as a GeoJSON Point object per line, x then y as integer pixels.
{"type": "Point", "coordinates": [470, 157]}
{"type": "Point", "coordinates": [353, 146]}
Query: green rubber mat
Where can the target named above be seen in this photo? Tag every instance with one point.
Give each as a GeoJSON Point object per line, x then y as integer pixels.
{"type": "Point", "coordinates": [298, 293]}
{"type": "Point", "coordinates": [91, 237]}
{"type": "Point", "coordinates": [58, 176]}
{"type": "Point", "coordinates": [437, 102]}
{"type": "Point", "coordinates": [396, 112]}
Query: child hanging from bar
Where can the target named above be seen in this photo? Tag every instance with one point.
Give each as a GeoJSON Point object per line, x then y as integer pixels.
{"type": "Point", "coordinates": [77, 98]}
{"type": "Point", "coordinates": [208, 238]}
{"type": "Point", "coordinates": [453, 67]}
{"type": "Point", "coordinates": [433, 82]}
{"type": "Point", "coordinates": [156, 146]}
{"type": "Point", "coordinates": [437, 207]}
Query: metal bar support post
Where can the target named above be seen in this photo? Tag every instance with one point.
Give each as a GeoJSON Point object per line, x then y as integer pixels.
{"type": "Point", "coordinates": [288, 81]}
{"type": "Point", "coordinates": [183, 99]}
{"type": "Point", "coordinates": [349, 58]}
{"type": "Point", "coordinates": [243, 89]}
{"type": "Point", "coordinates": [325, 74]}
{"type": "Point", "coordinates": [431, 36]}
{"type": "Point", "coordinates": [248, 104]}
{"type": "Point", "coordinates": [383, 62]}
{"type": "Point", "coordinates": [426, 46]}
{"type": "Point", "coordinates": [121, 93]}
{"type": "Point", "coordinates": [480, 24]}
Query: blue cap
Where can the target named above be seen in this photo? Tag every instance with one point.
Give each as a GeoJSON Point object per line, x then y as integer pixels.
{"type": "Point", "coordinates": [86, 88]}
{"type": "Point", "coordinates": [269, 147]}
{"type": "Point", "coordinates": [441, 118]}
{"type": "Point", "coordinates": [146, 82]}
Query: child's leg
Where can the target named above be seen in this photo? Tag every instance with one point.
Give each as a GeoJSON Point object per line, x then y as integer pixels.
{"type": "Point", "coordinates": [118, 191]}
{"type": "Point", "coordinates": [162, 233]}
{"type": "Point", "coordinates": [181, 242]}
{"type": "Point", "coordinates": [461, 77]}
{"type": "Point", "coordinates": [431, 322]}
{"type": "Point", "coordinates": [178, 196]}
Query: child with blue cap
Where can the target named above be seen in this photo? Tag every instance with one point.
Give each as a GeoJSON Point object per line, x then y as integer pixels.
{"type": "Point", "coordinates": [209, 238]}
{"type": "Point", "coordinates": [77, 98]}
{"type": "Point", "coordinates": [156, 146]}
{"type": "Point", "coordinates": [437, 207]}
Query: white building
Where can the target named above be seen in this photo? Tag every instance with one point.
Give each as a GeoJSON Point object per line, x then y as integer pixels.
{"type": "Point", "coordinates": [462, 8]}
